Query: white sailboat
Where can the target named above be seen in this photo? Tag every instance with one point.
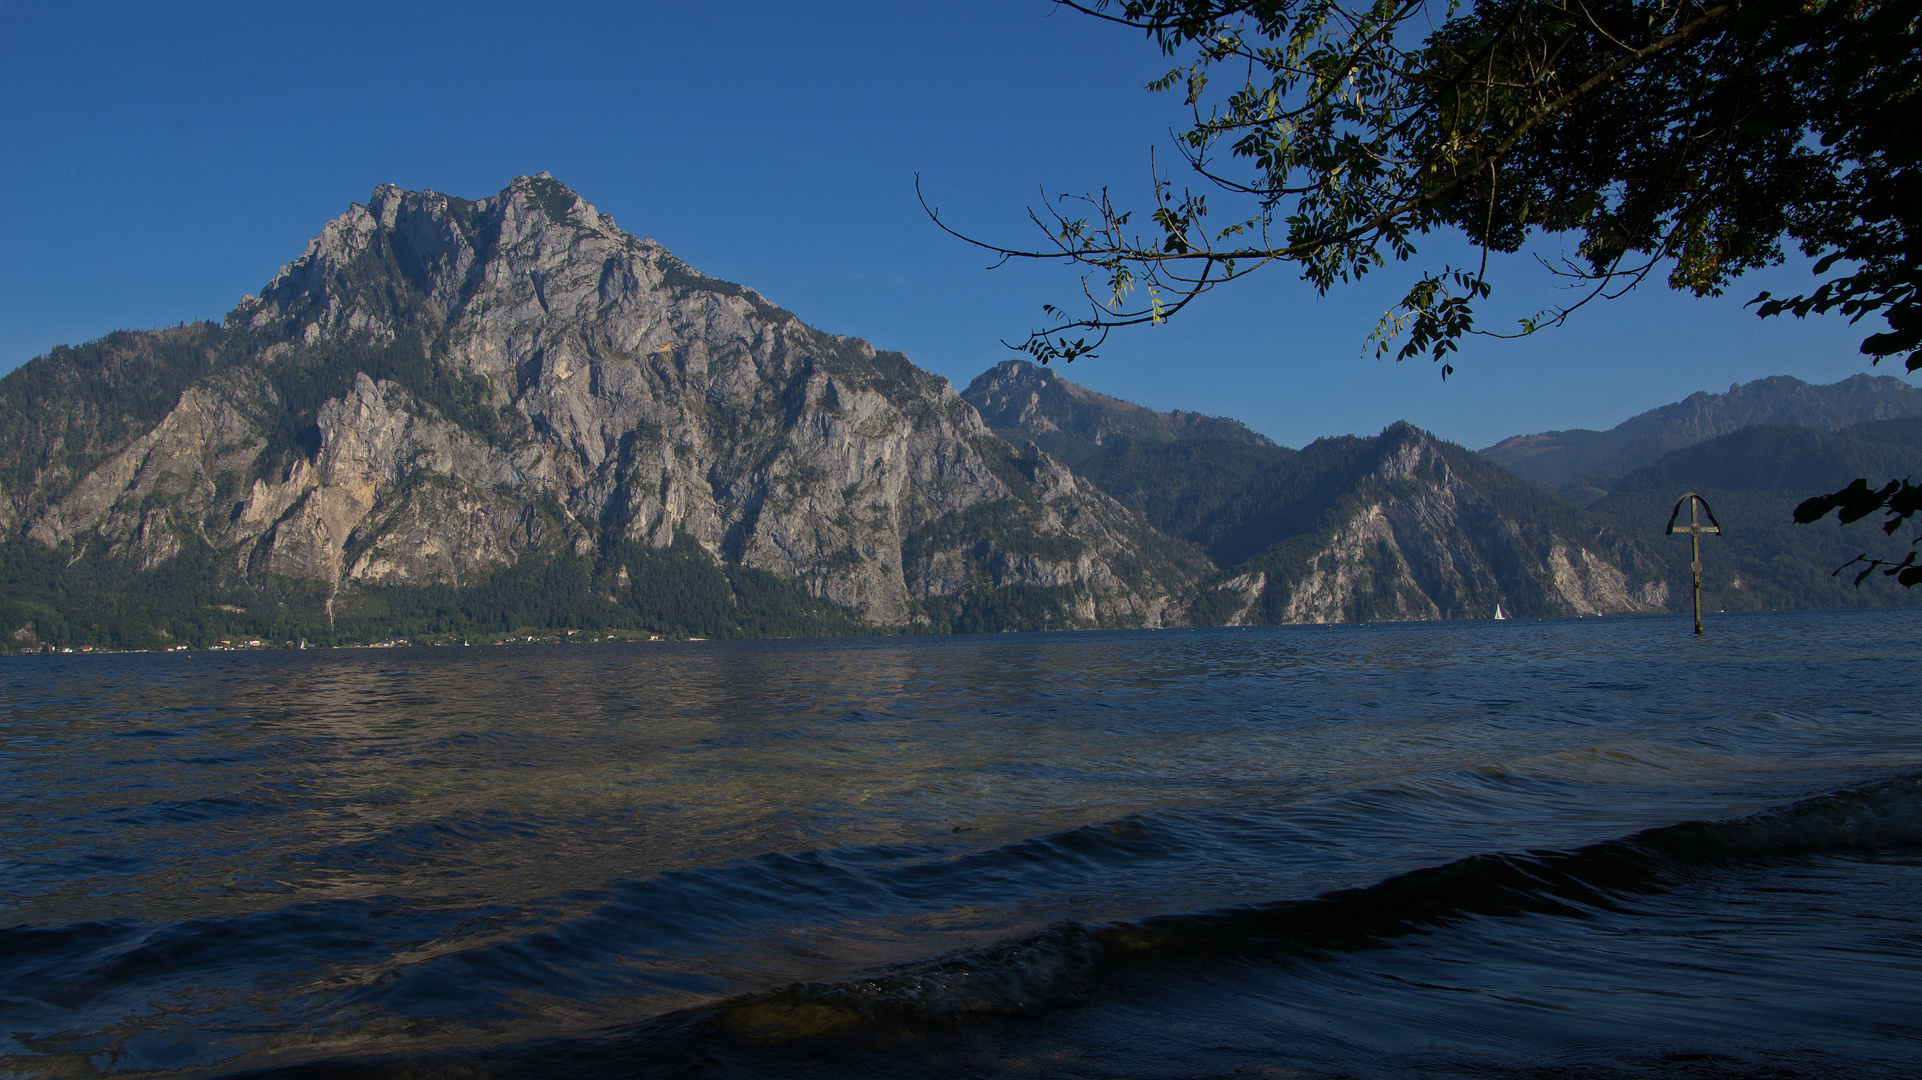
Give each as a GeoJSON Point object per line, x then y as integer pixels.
{"type": "Point", "coordinates": [1498, 612]}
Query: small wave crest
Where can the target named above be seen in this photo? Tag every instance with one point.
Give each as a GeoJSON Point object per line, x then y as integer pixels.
{"type": "Point", "coordinates": [1067, 962]}
{"type": "Point", "coordinates": [1027, 976]}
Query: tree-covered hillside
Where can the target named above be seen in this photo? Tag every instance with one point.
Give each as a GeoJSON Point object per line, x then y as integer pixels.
{"type": "Point", "coordinates": [1754, 479]}
{"type": "Point", "coordinates": [1025, 402]}
{"type": "Point", "coordinates": [1395, 526]}
{"type": "Point", "coordinates": [1210, 491]}
{"type": "Point", "coordinates": [47, 598]}
{"type": "Point", "coordinates": [1471, 534]}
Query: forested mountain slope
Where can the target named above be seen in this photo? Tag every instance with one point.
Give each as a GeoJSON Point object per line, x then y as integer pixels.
{"type": "Point", "coordinates": [1027, 402]}
{"type": "Point", "coordinates": [1753, 479]}
{"type": "Point", "coordinates": [1405, 526]}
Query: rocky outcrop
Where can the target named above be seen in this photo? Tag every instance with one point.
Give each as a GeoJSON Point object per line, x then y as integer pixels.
{"type": "Point", "coordinates": [1424, 530]}
{"type": "Point", "coordinates": [1400, 526]}
{"type": "Point", "coordinates": [439, 388]}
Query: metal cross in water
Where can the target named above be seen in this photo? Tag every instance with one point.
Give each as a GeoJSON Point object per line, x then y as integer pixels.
{"type": "Point", "coordinates": [1695, 529]}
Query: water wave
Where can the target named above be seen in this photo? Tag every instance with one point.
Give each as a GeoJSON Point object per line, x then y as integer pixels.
{"type": "Point", "coordinates": [1063, 964]}
{"type": "Point", "coordinates": [898, 1018]}
{"type": "Point", "coordinates": [666, 862]}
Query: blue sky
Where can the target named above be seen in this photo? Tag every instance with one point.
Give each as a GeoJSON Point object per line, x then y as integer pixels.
{"type": "Point", "coordinates": [164, 159]}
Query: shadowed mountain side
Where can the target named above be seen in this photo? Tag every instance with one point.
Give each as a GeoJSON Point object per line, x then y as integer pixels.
{"type": "Point", "coordinates": [1208, 491]}
{"type": "Point", "coordinates": [442, 396]}
{"type": "Point", "coordinates": [1581, 463]}
{"type": "Point", "coordinates": [1399, 526]}
{"type": "Point", "coordinates": [1023, 401]}
{"type": "Point", "coordinates": [1405, 526]}
{"type": "Point", "coordinates": [1754, 478]}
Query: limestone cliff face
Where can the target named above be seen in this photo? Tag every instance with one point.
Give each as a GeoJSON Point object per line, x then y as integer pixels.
{"type": "Point", "coordinates": [1399, 526]}
{"type": "Point", "coordinates": [439, 388]}
{"type": "Point", "coordinates": [1425, 530]}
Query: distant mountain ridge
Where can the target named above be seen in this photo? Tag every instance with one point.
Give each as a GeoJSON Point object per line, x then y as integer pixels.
{"type": "Point", "coordinates": [1405, 526]}
{"type": "Point", "coordinates": [1398, 526]}
{"type": "Point", "coordinates": [452, 416]}
{"type": "Point", "coordinates": [1068, 420]}
{"type": "Point", "coordinates": [1753, 479]}
{"type": "Point", "coordinates": [1580, 463]}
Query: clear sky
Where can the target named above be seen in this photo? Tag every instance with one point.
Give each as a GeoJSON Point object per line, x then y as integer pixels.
{"type": "Point", "coordinates": [162, 160]}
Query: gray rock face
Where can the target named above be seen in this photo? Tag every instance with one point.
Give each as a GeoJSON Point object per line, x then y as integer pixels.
{"type": "Point", "coordinates": [493, 380]}
{"type": "Point", "coordinates": [1421, 529]}
{"type": "Point", "coordinates": [1400, 526]}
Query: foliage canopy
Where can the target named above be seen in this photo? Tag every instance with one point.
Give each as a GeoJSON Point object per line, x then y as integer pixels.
{"type": "Point", "coordinates": [1899, 500]}
{"type": "Point", "coordinates": [1698, 136]}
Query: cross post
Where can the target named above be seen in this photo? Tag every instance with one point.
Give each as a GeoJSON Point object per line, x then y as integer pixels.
{"type": "Point", "coordinates": [1695, 529]}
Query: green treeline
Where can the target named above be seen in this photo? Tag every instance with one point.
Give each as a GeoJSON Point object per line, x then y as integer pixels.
{"type": "Point", "coordinates": [48, 597]}
{"type": "Point", "coordinates": [677, 592]}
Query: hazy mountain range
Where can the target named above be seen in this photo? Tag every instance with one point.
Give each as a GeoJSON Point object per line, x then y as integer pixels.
{"type": "Point", "coordinates": [1753, 478]}
{"type": "Point", "coordinates": [451, 418]}
{"type": "Point", "coordinates": [1580, 464]}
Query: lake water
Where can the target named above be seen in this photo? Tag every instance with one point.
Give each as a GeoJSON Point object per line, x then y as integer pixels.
{"type": "Point", "coordinates": [1569, 848]}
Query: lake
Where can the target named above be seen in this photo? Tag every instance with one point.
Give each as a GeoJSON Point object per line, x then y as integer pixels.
{"type": "Point", "coordinates": [1562, 848]}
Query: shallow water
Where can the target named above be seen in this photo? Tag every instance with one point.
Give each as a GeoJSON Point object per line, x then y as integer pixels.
{"type": "Point", "coordinates": [1589, 847]}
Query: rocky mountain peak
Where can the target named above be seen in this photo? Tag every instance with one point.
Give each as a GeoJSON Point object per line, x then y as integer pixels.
{"type": "Point", "coordinates": [1409, 454]}
{"type": "Point", "coordinates": [440, 388]}
{"type": "Point", "coordinates": [419, 258]}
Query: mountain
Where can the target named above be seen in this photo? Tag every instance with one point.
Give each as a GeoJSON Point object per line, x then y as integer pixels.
{"type": "Point", "coordinates": [1070, 421]}
{"type": "Point", "coordinates": [1406, 526]}
{"type": "Point", "coordinates": [1398, 526]}
{"type": "Point", "coordinates": [1176, 469]}
{"type": "Point", "coordinates": [1582, 463]}
{"type": "Point", "coordinates": [1753, 479]}
{"type": "Point", "coordinates": [452, 415]}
